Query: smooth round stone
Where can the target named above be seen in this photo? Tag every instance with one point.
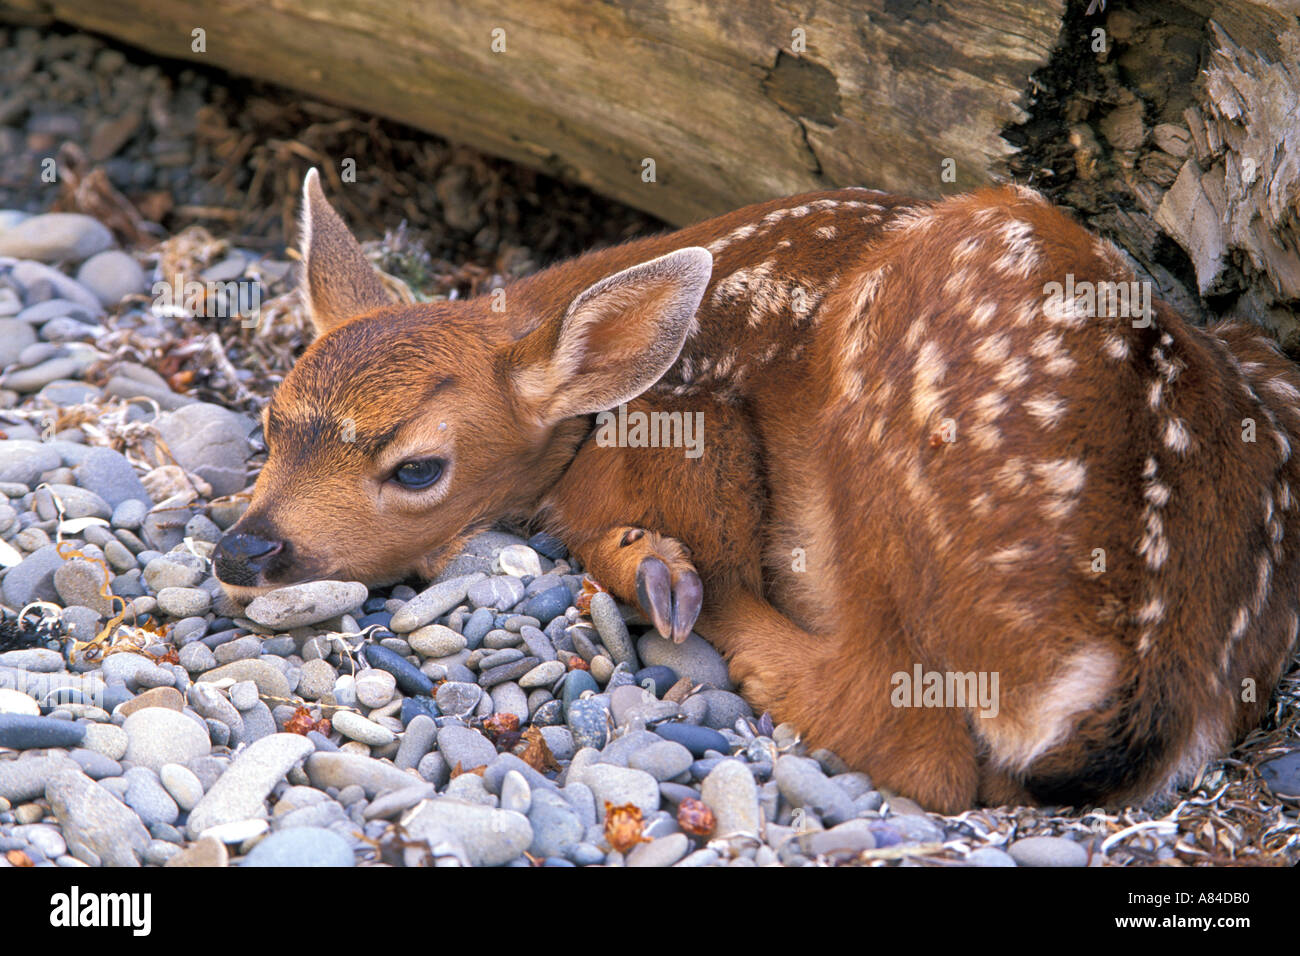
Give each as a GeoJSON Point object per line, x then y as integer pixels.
{"type": "Point", "coordinates": [803, 784]}
{"type": "Point", "coordinates": [24, 732]}
{"type": "Point", "coordinates": [435, 640]}
{"type": "Point", "coordinates": [1282, 773]}
{"type": "Point", "coordinates": [244, 695]}
{"type": "Point", "coordinates": [309, 603]}
{"type": "Point", "coordinates": [477, 626]}
{"type": "Point", "coordinates": [433, 602]}
{"type": "Point", "coordinates": [99, 829]}
{"type": "Point", "coordinates": [619, 786]}
{"type": "Point", "coordinates": [95, 765]}
{"type": "Point", "coordinates": [375, 687]}
{"type": "Point", "coordinates": [549, 714]}
{"type": "Point", "coordinates": [53, 236]}
{"type": "Point", "coordinates": [547, 605]}
{"type": "Point", "coordinates": [157, 736]}
{"type": "Point", "coordinates": [663, 761]}
{"type": "Point", "coordinates": [175, 570]}
{"type": "Point", "coordinates": [695, 739]}
{"type": "Point", "coordinates": [182, 784]}
{"type": "Point", "coordinates": [241, 792]}
{"type": "Point", "coordinates": [15, 702]}
{"type": "Point", "coordinates": [301, 846]}
{"type": "Point", "coordinates": [489, 836]}
{"type": "Point", "coordinates": [458, 698]}
{"type": "Point", "coordinates": [664, 851]}
{"type": "Point", "coordinates": [611, 628]}
{"type": "Point", "coordinates": [107, 739]}
{"type": "Point", "coordinates": [515, 793]}
{"type": "Point", "coordinates": [725, 708]}
{"type": "Point", "coordinates": [184, 602]}
{"type": "Point", "coordinates": [520, 560]}
{"type": "Point", "coordinates": [465, 746]}
{"type": "Point", "coordinates": [409, 678]}
{"type": "Point", "coordinates": [588, 721]}
{"type": "Point", "coordinates": [506, 672]}
{"type": "Point", "coordinates": [111, 276]}
{"type": "Point", "coordinates": [543, 675]}
{"type": "Point", "coordinates": [147, 797]}
{"type": "Point", "coordinates": [694, 659]}
{"type": "Point", "coordinates": [731, 793]}
{"type": "Point", "coordinates": [358, 728]}
{"type": "Point", "coordinates": [1048, 851]}
{"type": "Point", "coordinates": [316, 679]}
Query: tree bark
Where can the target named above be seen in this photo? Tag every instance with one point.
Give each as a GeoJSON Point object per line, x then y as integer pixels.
{"type": "Point", "coordinates": [1174, 132]}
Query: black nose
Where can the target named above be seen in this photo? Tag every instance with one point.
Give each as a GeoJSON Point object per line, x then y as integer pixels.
{"type": "Point", "coordinates": [244, 558]}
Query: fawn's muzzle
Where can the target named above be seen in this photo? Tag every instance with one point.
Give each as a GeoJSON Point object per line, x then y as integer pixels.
{"type": "Point", "coordinates": [245, 560]}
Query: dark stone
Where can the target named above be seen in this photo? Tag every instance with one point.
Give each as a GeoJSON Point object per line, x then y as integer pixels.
{"type": "Point", "coordinates": [589, 721]}
{"type": "Point", "coordinates": [376, 619]}
{"type": "Point", "coordinates": [216, 639]}
{"type": "Point", "coordinates": [550, 714]}
{"type": "Point", "coordinates": [115, 694]}
{"type": "Point", "coordinates": [662, 678]}
{"type": "Point", "coordinates": [548, 546]}
{"type": "Point", "coordinates": [409, 678]}
{"type": "Point", "coordinates": [476, 627]}
{"type": "Point", "coordinates": [374, 604]}
{"type": "Point", "coordinates": [695, 739]}
{"type": "Point", "coordinates": [511, 671]}
{"type": "Point", "coordinates": [1282, 774]}
{"type": "Point", "coordinates": [413, 707]}
{"type": "Point", "coordinates": [547, 605]}
{"type": "Point", "coordinates": [22, 732]}
{"type": "Point", "coordinates": [575, 682]}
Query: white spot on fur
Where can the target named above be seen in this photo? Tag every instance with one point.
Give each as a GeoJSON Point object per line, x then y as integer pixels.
{"type": "Point", "coordinates": [1024, 730]}
{"type": "Point", "coordinates": [1047, 409]}
{"type": "Point", "coordinates": [1116, 346]}
{"type": "Point", "coordinates": [1177, 437]}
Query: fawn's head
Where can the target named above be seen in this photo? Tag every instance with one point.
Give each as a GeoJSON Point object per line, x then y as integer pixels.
{"type": "Point", "coordinates": [405, 428]}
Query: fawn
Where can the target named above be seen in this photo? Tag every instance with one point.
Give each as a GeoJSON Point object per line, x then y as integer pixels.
{"type": "Point", "coordinates": [927, 452]}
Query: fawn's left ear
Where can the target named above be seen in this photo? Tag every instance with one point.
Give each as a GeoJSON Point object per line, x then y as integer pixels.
{"type": "Point", "coordinates": [615, 340]}
{"type": "Point", "coordinates": [338, 280]}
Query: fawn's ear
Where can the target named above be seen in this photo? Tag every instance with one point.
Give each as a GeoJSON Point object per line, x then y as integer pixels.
{"type": "Point", "coordinates": [615, 340]}
{"type": "Point", "coordinates": [338, 280]}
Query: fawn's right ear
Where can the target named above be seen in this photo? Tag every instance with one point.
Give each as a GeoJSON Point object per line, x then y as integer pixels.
{"type": "Point", "coordinates": [339, 281]}
{"type": "Point", "coordinates": [615, 340]}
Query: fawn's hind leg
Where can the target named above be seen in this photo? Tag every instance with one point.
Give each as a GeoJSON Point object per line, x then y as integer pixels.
{"type": "Point", "coordinates": [837, 690]}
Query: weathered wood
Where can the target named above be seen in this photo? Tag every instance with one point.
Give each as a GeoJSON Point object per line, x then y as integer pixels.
{"type": "Point", "coordinates": [714, 93]}
{"type": "Point", "coordinates": [1176, 136]}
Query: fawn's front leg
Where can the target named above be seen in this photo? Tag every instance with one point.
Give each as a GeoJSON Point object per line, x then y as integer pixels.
{"type": "Point", "coordinates": [662, 531]}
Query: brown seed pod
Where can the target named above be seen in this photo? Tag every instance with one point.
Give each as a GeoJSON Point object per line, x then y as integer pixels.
{"type": "Point", "coordinates": [623, 826]}
{"type": "Point", "coordinates": [695, 817]}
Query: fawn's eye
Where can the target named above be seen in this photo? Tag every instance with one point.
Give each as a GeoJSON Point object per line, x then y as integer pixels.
{"type": "Point", "coordinates": [418, 474]}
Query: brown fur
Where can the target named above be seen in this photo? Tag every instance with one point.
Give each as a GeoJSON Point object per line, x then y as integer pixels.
{"type": "Point", "coordinates": [841, 336]}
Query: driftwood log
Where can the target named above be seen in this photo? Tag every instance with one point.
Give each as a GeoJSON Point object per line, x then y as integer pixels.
{"type": "Point", "coordinates": [1169, 125]}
